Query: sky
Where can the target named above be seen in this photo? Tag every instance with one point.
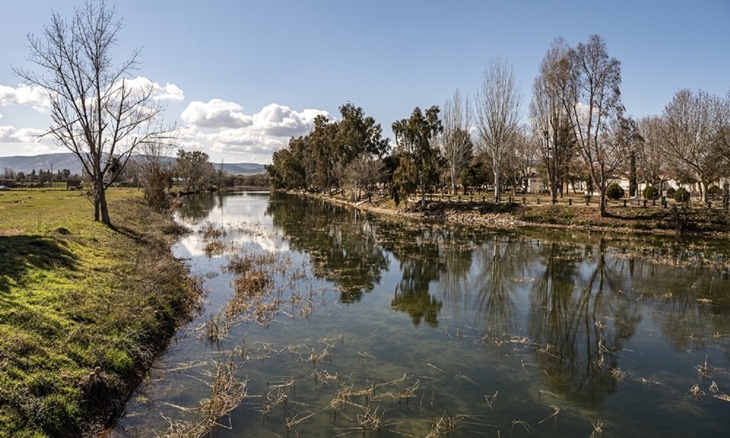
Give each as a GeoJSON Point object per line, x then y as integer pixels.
{"type": "Point", "coordinates": [239, 78]}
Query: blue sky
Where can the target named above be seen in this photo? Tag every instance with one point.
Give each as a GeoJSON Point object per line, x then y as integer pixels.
{"type": "Point", "coordinates": [240, 77]}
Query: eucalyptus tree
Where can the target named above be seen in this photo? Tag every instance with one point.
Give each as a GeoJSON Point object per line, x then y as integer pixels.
{"type": "Point", "coordinates": [594, 108]}
{"type": "Point", "coordinates": [358, 134]}
{"type": "Point", "coordinates": [327, 164]}
{"type": "Point", "coordinates": [291, 166]}
{"type": "Point", "coordinates": [456, 144]}
{"type": "Point", "coordinates": [498, 111]}
{"type": "Point", "coordinates": [361, 147]}
{"type": "Point", "coordinates": [97, 112]}
{"type": "Point", "coordinates": [693, 131]}
{"type": "Point", "coordinates": [550, 122]}
{"type": "Point", "coordinates": [419, 158]}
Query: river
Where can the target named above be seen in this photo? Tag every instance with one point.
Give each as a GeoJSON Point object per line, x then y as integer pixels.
{"type": "Point", "coordinates": [365, 325]}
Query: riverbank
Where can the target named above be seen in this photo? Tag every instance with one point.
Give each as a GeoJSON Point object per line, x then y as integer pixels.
{"type": "Point", "coordinates": [84, 309]}
{"type": "Point", "coordinates": [531, 211]}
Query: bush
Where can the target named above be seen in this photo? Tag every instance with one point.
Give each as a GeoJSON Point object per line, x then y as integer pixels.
{"type": "Point", "coordinates": [714, 191]}
{"type": "Point", "coordinates": [670, 192]}
{"type": "Point", "coordinates": [614, 191]}
{"type": "Point", "coordinates": [681, 195]}
{"type": "Point", "coordinates": [650, 192]}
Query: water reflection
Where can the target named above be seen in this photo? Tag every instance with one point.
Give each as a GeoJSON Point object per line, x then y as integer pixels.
{"type": "Point", "coordinates": [420, 266]}
{"type": "Point", "coordinates": [581, 315]}
{"type": "Point", "coordinates": [585, 322]}
{"type": "Point", "coordinates": [196, 207]}
{"type": "Point", "coordinates": [343, 247]}
{"type": "Point", "coordinates": [502, 268]}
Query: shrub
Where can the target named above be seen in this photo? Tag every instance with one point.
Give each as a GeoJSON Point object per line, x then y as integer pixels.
{"type": "Point", "coordinates": [681, 195]}
{"type": "Point", "coordinates": [614, 191]}
{"type": "Point", "coordinates": [670, 192]}
{"type": "Point", "coordinates": [714, 191]}
{"type": "Point", "coordinates": [650, 192]}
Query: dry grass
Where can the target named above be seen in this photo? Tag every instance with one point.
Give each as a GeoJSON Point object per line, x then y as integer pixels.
{"type": "Point", "coordinates": [226, 393]}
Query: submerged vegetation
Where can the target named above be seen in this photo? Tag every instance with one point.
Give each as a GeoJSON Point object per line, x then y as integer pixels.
{"type": "Point", "coordinates": [84, 308]}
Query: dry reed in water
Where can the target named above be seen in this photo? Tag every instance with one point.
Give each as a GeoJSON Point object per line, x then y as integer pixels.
{"type": "Point", "coordinates": [226, 393]}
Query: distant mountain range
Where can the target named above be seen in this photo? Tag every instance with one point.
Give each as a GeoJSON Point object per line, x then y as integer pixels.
{"type": "Point", "coordinates": [56, 162]}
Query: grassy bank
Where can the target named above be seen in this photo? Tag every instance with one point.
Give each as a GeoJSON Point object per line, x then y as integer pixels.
{"type": "Point", "coordinates": [83, 308]}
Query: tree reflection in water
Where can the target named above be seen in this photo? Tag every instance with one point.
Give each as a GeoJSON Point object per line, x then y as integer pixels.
{"type": "Point", "coordinates": [454, 283]}
{"type": "Point", "coordinates": [580, 313]}
{"type": "Point", "coordinates": [197, 207]}
{"type": "Point", "coordinates": [421, 263]}
{"type": "Point", "coordinates": [341, 242]}
{"type": "Point", "coordinates": [501, 264]}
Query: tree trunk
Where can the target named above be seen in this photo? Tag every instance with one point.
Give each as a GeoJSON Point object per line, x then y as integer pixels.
{"type": "Point", "coordinates": [554, 191]}
{"type": "Point", "coordinates": [497, 192]}
{"type": "Point", "coordinates": [103, 207]}
{"type": "Point", "coordinates": [703, 191]}
{"type": "Point", "coordinates": [603, 201]}
{"type": "Point", "coordinates": [633, 183]}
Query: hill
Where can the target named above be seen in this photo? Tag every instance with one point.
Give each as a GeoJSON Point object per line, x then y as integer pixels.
{"type": "Point", "coordinates": [60, 161]}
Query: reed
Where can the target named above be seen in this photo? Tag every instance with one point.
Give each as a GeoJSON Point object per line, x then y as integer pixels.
{"type": "Point", "coordinates": [226, 393]}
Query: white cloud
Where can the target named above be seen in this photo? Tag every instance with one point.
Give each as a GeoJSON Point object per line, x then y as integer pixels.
{"type": "Point", "coordinates": [274, 119]}
{"type": "Point", "coordinates": [26, 141]}
{"type": "Point", "coordinates": [35, 96]}
{"type": "Point", "coordinates": [215, 114]}
{"type": "Point", "coordinates": [42, 148]}
{"type": "Point", "coordinates": [169, 92]}
{"type": "Point", "coordinates": [8, 134]}
{"type": "Point", "coordinates": [224, 126]}
{"type": "Point", "coordinates": [282, 121]}
{"type": "Point", "coordinates": [242, 141]}
{"type": "Point", "coordinates": [158, 92]}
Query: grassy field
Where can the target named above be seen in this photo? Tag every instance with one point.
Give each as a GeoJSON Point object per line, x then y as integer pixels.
{"type": "Point", "coordinates": [83, 308]}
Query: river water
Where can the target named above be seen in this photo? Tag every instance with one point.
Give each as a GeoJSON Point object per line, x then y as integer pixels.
{"type": "Point", "coordinates": [372, 326]}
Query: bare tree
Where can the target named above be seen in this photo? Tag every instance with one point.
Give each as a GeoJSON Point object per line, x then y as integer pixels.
{"type": "Point", "coordinates": [593, 105]}
{"type": "Point", "coordinates": [96, 111]}
{"type": "Point", "coordinates": [455, 141]}
{"type": "Point", "coordinates": [694, 127]}
{"type": "Point", "coordinates": [550, 121]}
{"type": "Point", "coordinates": [652, 164]}
{"type": "Point", "coordinates": [498, 112]}
{"type": "Point", "coordinates": [155, 173]}
{"type": "Point", "coordinates": [524, 155]}
{"type": "Point", "coordinates": [362, 175]}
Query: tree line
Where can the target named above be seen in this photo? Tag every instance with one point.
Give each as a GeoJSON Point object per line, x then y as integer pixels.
{"type": "Point", "coordinates": [38, 177]}
{"type": "Point", "coordinates": [577, 130]}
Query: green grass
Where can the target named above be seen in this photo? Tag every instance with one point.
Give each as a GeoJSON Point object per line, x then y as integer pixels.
{"type": "Point", "coordinates": [76, 295]}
